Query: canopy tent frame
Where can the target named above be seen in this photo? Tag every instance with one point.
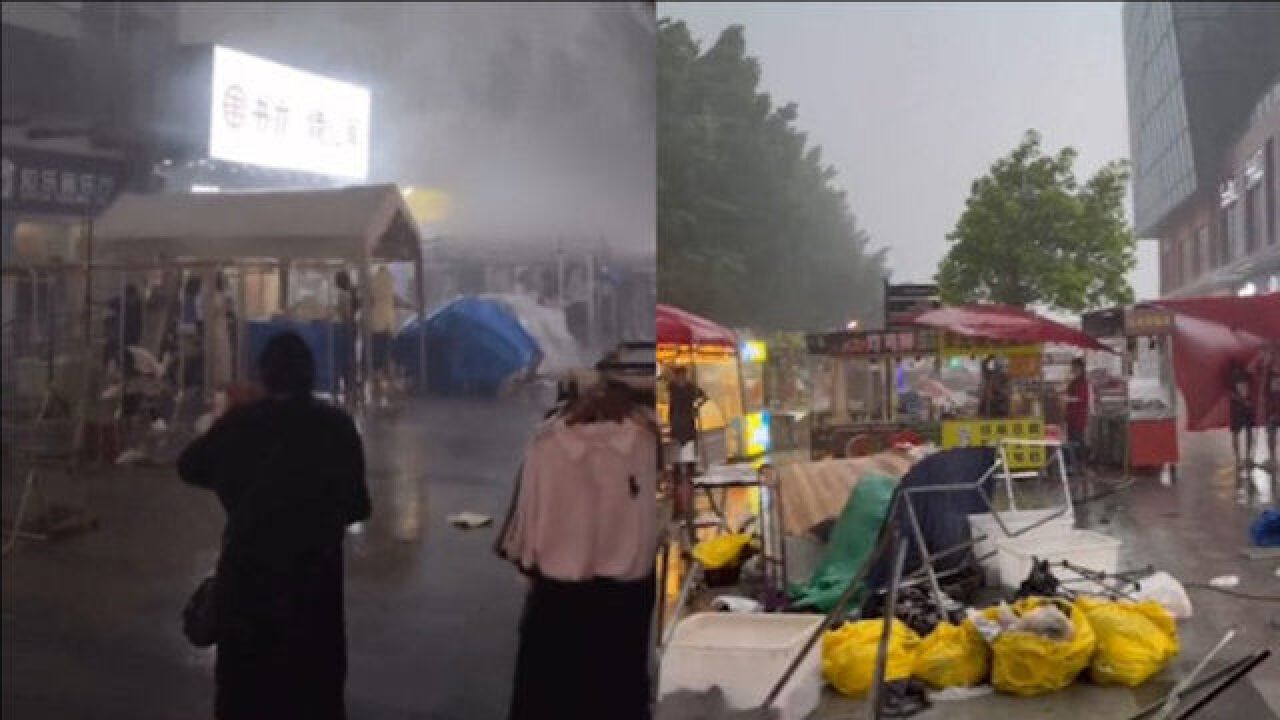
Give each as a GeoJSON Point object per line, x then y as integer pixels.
{"type": "Point", "coordinates": [280, 231]}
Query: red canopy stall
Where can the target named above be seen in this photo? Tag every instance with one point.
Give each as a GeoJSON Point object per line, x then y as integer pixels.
{"type": "Point", "coordinates": [1210, 332]}
{"type": "Point", "coordinates": [869, 404]}
{"type": "Point", "coordinates": [710, 351]}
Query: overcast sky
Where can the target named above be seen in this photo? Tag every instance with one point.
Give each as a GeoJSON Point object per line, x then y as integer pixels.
{"type": "Point", "coordinates": [911, 102]}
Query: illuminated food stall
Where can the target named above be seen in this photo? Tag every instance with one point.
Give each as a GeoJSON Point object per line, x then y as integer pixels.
{"type": "Point", "coordinates": [711, 352]}
{"type": "Point", "coordinates": [1136, 411]}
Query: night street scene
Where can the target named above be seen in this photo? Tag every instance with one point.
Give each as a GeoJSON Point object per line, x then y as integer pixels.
{"type": "Point", "coordinates": [652, 361]}
{"type": "Point", "coordinates": [482, 175]}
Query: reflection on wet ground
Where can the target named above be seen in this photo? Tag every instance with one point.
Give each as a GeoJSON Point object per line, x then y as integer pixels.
{"type": "Point", "coordinates": [91, 622]}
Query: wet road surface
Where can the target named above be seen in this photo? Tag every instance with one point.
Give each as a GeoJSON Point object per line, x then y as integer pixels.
{"type": "Point", "coordinates": [91, 625]}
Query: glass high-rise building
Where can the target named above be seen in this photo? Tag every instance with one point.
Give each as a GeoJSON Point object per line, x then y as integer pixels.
{"type": "Point", "coordinates": [1204, 124]}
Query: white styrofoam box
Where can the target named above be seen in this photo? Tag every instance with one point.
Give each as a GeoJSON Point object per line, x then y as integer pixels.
{"type": "Point", "coordinates": [745, 654]}
{"type": "Point", "coordinates": [1015, 521]}
{"type": "Point", "coordinates": [1084, 548]}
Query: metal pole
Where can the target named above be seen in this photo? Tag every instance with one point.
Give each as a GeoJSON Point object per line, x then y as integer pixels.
{"type": "Point", "coordinates": [924, 551]}
{"type": "Point", "coordinates": [855, 583]}
{"type": "Point", "coordinates": [1167, 711]}
{"type": "Point", "coordinates": [882, 651]}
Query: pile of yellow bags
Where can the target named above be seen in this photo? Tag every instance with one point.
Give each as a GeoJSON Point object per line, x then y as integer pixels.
{"type": "Point", "coordinates": [1120, 642]}
{"type": "Point", "coordinates": [1026, 663]}
{"type": "Point", "coordinates": [849, 654]}
{"type": "Point", "coordinates": [1135, 640]}
{"type": "Point", "coordinates": [953, 656]}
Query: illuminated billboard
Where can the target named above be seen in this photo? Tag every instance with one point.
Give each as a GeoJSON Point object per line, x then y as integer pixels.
{"type": "Point", "coordinates": [268, 114]}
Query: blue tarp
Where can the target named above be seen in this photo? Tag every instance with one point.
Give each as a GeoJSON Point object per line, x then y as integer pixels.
{"type": "Point", "coordinates": [472, 346]}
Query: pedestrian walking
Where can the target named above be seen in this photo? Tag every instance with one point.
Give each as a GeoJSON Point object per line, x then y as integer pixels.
{"type": "Point", "coordinates": [346, 312]}
{"type": "Point", "coordinates": [1240, 387]}
{"type": "Point", "coordinates": [289, 472]}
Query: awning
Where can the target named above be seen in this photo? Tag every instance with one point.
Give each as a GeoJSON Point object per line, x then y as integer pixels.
{"type": "Point", "coordinates": [1258, 314]}
{"type": "Point", "coordinates": [680, 327]}
{"type": "Point", "coordinates": [1202, 355]}
{"type": "Point", "coordinates": [1210, 332]}
{"type": "Point", "coordinates": [351, 223]}
{"type": "Point", "coordinates": [1003, 322]}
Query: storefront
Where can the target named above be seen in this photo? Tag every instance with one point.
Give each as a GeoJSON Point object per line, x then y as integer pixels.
{"type": "Point", "coordinates": [51, 198]}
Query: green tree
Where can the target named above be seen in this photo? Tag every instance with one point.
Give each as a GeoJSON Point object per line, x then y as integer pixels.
{"type": "Point", "coordinates": [1031, 234]}
{"type": "Point", "coordinates": [752, 230]}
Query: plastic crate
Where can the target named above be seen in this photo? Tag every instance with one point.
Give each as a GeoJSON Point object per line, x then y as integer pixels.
{"type": "Point", "coordinates": [1083, 548]}
{"type": "Point", "coordinates": [746, 654]}
{"type": "Point", "coordinates": [1015, 521]}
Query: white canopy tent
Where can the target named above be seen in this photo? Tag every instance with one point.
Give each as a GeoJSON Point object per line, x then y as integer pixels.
{"type": "Point", "coordinates": [356, 224]}
{"type": "Point", "coordinates": [351, 226]}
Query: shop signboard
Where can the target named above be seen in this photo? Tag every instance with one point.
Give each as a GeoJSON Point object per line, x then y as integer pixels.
{"type": "Point", "coordinates": [988, 432]}
{"type": "Point", "coordinates": [875, 344]}
{"type": "Point", "coordinates": [903, 302]}
{"type": "Point", "coordinates": [56, 183]}
{"type": "Point", "coordinates": [1103, 323]}
{"type": "Point", "coordinates": [964, 345]}
{"type": "Point", "coordinates": [1140, 321]}
{"type": "Point", "coordinates": [267, 114]}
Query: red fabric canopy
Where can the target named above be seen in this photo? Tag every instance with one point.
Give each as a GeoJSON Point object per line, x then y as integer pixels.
{"type": "Point", "coordinates": [1202, 353]}
{"type": "Point", "coordinates": [1209, 332]}
{"type": "Point", "coordinates": [1003, 322]}
{"type": "Point", "coordinates": [1258, 314]}
{"type": "Point", "coordinates": [680, 327]}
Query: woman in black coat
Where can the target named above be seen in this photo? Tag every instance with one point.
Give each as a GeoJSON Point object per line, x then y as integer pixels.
{"type": "Point", "coordinates": [289, 471]}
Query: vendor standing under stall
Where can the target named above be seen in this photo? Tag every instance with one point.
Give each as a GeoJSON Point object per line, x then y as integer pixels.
{"type": "Point", "coordinates": [685, 400]}
{"type": "Point", "coordinates": [1077, 414]}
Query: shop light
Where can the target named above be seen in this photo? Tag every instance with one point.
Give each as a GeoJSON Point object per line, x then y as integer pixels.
{"type": "Point", "coordinates": [1248, 290]}
{"type": "Point", "coordinates": [852, 325]}
{"type": "Point", "coordinates": [759, 439]}
{"type": "Point", "coordinates": [754, 351]}
{"type": "Point", "coordinates": [198, 189]}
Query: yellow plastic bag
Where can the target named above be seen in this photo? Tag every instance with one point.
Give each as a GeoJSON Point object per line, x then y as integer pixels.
{"type": "Point", "coordinates": [952, 656]}
{"type": "Point", "coordinates": [1029, 664]}
{"type": "Point", "coordinates": [849, 654]}
{"type": "Point", "coordinates": [721, 550]}
{"type": "Point", "coordinates": [1135, 640]}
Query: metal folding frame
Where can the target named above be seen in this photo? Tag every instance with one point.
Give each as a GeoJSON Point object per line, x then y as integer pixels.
{"type": "Point", "coordinates": [890, 537]}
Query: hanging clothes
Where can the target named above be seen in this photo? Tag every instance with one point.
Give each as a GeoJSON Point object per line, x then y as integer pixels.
{"type": "Point", "coordinates": [583, 527]}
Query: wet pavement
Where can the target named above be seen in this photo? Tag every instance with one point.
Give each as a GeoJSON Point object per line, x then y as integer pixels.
{"type": "Point", "coordinates": [91, 628]}
{"type": "Point", "coordinates": [91, 625]}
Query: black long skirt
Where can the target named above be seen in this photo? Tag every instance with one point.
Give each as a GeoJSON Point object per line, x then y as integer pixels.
{"type": "Point", "coordinates": [584, 650]}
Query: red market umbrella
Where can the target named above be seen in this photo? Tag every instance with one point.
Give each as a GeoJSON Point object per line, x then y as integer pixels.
{"type": "Point", "coordinates": [681, 327]}
{"type": "Point", "coordinates": [1003, 322]}
{"type": "Point", "coordinates": [1258, 314]}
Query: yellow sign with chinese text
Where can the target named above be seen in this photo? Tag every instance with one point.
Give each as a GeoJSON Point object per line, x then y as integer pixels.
{"type": "Point", "coordinates": [987, 432]}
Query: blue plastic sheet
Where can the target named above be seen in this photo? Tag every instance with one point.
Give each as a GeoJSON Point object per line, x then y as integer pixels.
{"type": "Point", "coordinates": [472, 345]}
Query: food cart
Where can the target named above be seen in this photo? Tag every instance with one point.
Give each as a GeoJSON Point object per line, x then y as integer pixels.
{"type": "Point", "coordinates": [854, 411]}
{"type": "Point", "coordinates": [870, 404]}
{"type": "Point", "coordinates": [1134, 423]}
{"type": "Point", "coordinates": [267, 257]}
{"type": "Point", "coordinates": [712, 355]}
